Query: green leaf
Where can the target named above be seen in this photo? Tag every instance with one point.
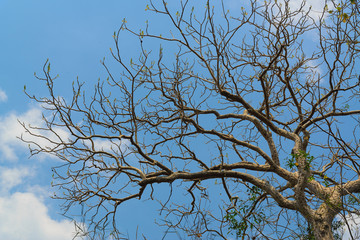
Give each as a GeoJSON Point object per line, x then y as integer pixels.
{"type": "Point", "coordinates": [345, 17]}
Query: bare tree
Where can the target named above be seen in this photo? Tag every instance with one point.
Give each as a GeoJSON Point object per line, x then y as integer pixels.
{"type": "Point", "coordinates": [262, 106]}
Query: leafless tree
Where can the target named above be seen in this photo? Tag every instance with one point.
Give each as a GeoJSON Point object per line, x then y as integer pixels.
{"type": "Point", "coordinates": [260, 104]}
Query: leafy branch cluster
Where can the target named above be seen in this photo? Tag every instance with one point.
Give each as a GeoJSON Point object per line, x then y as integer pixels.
{"type": "Point", "coordinates": [245, 214]}
{"type": "Point", "coordinates": [294, 160]}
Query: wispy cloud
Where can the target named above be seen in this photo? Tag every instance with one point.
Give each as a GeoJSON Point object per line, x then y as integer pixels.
{"type": "Point", "coordinates": [10, 129]}
{"type": "Point", "coordinates": [108, 145]}
{"type": "Point", "coordinates": [3, 96]}
{"type": "Point", "coordinates": [12, 177]}
{"type": "Point", "coordinates": [315, 8]}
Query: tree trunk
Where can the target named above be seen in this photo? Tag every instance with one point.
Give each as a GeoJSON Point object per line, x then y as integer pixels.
{"type": "Point", "coordinates": [322, 230]}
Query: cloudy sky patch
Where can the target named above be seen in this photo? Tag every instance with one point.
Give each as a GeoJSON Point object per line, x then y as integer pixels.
{"type": "Point", "coordinates": [10, 130]}
{"type": "Point", "coordinates": [25, 216]}
{"type": "Point", "coordinates": [3, 96]}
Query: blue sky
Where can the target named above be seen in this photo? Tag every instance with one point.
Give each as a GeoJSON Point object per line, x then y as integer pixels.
{"type": "Point", "coordinates": [75, 35]}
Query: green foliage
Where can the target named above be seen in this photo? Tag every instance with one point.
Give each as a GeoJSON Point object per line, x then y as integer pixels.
{"type": "Point", "coordinates": [326, 183]}
{"type": "Point", "coordinates": [309, 234]}
{"type": "Point", "coordinates": [242, 217]}
{"type": "Point", "coordinates": [311, 178]}
{"type": "Point", "coordinates": [336, 226]}
{"type": "Point", "coordinates": [293, 161]}
{"type": "Point", "coordinates": [239, 226]}
{"type": "Point", "coordinates": [339, 11]}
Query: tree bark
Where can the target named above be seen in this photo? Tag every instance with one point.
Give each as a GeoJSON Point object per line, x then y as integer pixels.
{"type": "Point", "coordinates": [322, 230]}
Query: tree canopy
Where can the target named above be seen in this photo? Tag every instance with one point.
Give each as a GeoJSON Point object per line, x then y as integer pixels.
{"type": "Point", "coordinates": [260, 104]}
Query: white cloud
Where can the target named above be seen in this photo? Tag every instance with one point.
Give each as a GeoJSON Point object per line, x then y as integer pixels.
{"type": "Point", "coordinates": [12, 177]}
{"type": "Point", "coordinates": [316, 7]}
{"type": "Point", "coordinates": [10, 130]}
{"type": "Point", "coordinates": [3, 96]}
{"type": "Point", "coordinates": [354, 226]}
{"type": "Point", "coordinates": [25, 216]}
{"type": "Point", "coordinates": [110, 146]}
